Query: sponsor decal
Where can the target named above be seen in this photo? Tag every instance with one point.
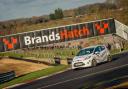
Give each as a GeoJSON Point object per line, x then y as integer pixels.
{"type": "Point", "coordinates": [10, 45]}
{"type": "Point", "coordinates": [101, 29]}
{"type": "Point", "coordinates": [102, 55]}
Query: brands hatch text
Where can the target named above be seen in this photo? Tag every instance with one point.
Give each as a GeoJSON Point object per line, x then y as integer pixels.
{"type": "Point", "coordinates": [56, 36]}
{"type": "Point", "coordinates": [32, 40]}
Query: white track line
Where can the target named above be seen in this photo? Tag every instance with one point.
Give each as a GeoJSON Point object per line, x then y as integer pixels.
{"type": "Point", "coordinates": [84, 76]}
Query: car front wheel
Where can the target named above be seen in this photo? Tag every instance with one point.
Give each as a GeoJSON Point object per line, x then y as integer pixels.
{"type": "Point", "coordinates": [94, 63]}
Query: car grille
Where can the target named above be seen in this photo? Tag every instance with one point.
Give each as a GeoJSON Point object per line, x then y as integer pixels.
{"type": "Point", "coordinates": [78, 64]}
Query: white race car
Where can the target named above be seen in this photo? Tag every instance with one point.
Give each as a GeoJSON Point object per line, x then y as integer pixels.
{"type": "Point", "coordinates": [91, 56]}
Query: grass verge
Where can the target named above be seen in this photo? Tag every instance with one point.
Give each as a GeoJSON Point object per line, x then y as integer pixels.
{"type": "Point", "coordinates": [34, 75]}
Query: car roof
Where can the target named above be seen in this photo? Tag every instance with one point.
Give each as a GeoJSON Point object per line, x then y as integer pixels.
{"type": "Point", "coordinates": [94, 46]}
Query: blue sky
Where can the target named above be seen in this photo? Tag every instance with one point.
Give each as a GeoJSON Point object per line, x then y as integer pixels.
{"type": "Point", "coordinates": [12, 9]}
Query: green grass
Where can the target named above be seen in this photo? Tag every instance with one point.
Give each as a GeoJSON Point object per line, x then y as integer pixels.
{"type": "Point", "coordinates": [12, 54]}
{"type": "Point", "coordinates": [63, 53]}
{"type": "Point", "coordinates": [34, 75]}
{"type": "Point", "coordinates": [44, 53]}
{"type": "Point", "coordinates": [116, 51]}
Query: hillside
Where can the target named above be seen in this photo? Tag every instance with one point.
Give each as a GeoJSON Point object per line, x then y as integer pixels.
{"type": "Point", "coordinates": [116, 9]}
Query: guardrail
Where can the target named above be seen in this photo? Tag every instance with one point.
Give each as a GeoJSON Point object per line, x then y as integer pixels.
{"type": "Point", "coordinates": [30, 60]}
{"type": "Point", "coordinates": [7, 76]}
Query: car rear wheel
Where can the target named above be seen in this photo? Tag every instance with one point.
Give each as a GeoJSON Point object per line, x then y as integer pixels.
{"type": "Point", "coordinates": [109, 58]}
{"type": "Point", "coordinates": [94, 63]}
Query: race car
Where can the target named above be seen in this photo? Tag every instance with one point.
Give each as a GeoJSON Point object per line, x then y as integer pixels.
{"type": "Point", "coordinates": [91, 56]}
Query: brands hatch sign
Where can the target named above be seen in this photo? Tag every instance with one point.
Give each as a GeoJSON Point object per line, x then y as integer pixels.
{"type": "Point", "coordinates": [57, 34]}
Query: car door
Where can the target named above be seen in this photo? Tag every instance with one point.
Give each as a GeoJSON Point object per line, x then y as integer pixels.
{"type": "Point", "coordinates": [97, 54]}
{"type": "Point", "coordinates": [103, 53]}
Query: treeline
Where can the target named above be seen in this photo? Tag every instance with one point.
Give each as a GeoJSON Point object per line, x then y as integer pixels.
{"type": "Point", "coordinates": [12, 26]}
{"type": "Point", "coordinates": [58, 14]}
{"type": "Point", "coordinates": [98, 7]}
{"type": "Point", "coordinates": [94, 8]}
{"type": "Point", "coordinates": [15, 26]}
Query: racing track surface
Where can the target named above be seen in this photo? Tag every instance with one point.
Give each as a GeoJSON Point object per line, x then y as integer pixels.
{"type": "Point", "coordinates": [84, 77]}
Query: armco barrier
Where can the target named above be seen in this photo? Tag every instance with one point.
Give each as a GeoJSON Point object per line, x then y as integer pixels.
{"type": "Point", "coordinates": [30, 60]}
{"type": "Point", "coordinates": [7, 76]}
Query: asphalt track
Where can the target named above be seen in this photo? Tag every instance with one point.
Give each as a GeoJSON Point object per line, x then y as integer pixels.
{"type": "Point", "coordinates": [87, 77]}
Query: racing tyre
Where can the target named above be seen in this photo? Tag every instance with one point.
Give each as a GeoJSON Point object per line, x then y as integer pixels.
{"type": "Point", "coordinates": [94, 63]}
{"type": "Point", "coordinates": [109, 58]}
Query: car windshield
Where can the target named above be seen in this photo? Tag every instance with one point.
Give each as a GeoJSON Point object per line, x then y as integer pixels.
{"type": "Point", "coordinates": [85, 51]}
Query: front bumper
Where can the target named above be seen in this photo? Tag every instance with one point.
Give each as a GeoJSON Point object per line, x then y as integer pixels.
{"type": "Point", "coordinates": [81, 64]}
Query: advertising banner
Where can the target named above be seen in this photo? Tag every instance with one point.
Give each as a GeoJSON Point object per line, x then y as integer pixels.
{"type": "Point", "coordinates": [57, 34]}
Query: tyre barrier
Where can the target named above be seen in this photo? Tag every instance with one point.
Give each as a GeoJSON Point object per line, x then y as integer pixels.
{"type": "Point", "coordinates": [4, 77]}
{"type": "Point", "coordinates": [69, 60]}
{"type": "Point", "coordinates": [57, 60]}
